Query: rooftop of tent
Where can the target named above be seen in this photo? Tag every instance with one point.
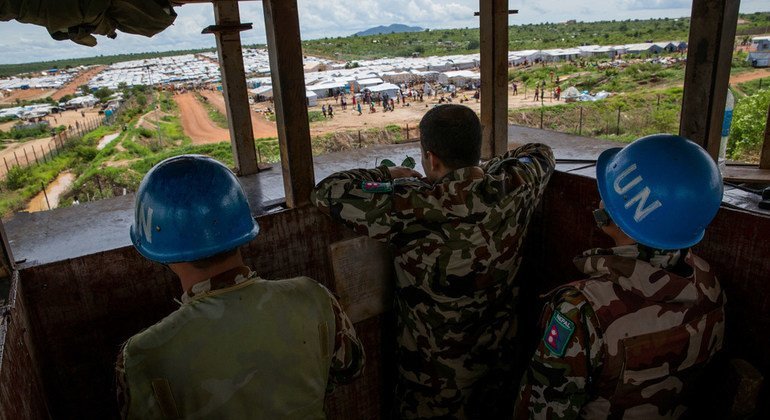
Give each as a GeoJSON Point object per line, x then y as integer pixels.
{"type": "Point", "coordinates": [77, 289]}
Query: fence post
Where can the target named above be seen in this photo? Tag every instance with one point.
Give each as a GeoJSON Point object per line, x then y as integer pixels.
{"type": "Point", "coordinates": [34, 153]}
{"type": "Point", "coordinates": [42, 153]}
{"type": "Point", "coordinates": [542, 111]}
{"type": "Point", "coordinates": [45, 194]}
{"type": "Point", "coordinates": [580, 126]}
{"type": "Point", "coordinates": [99, 184]}
{"type": "Point", "coordinates": [26, 158]}
{"type": "Point", "coordinates": [6, 165]}
{"type": "Point", "coordinates": [618, 121]}
{"type": "Point", "coordinates": [17, 158]}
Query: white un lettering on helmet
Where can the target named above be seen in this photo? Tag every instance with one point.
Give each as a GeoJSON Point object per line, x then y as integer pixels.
{"type": "Point", "coordinates": [641, 198]}
{"type": "Point", "coordinates": [145, 222]}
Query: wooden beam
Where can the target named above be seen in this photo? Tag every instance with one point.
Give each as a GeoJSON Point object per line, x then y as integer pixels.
{"type": "Point", "coordinates": [227, 32]}
{"type": "Point", "coordinates": [494, 77]}
{"type": "Point", "coordinates": [764, 157]}
{"type": "Point", "coordinates": [709, 58]}
{"type": "Point", "coordinates": [289, 95]}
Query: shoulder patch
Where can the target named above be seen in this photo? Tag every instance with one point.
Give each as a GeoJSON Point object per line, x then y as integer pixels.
{"type": "Point", "coordinates": [558, 333]}
{"type": "Point", "coordinates": [376, 187]}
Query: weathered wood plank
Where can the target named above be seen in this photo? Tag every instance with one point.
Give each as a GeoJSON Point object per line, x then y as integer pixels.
{"type": "Point", "coordinates": [746, 174]}
{"type": "Point", "coordinates": [286, 68]}
{"type": "Point", "coordinates": [709, 57]}
{"type": "Point", "coordinates": [494, 77]}
{"type": "Point", "coordinates": [363, 277]}
{"type": "Point", "coordinates": [226, 14]}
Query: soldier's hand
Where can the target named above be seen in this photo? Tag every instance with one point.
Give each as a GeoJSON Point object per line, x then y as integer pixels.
{"type": "Point", "coordinates": [402, 172]}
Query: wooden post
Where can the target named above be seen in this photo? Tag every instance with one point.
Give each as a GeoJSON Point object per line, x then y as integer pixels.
{"type": "Point", "coordinates": [45, 194]}
{"type": "Point", "coordinates": [494, 77]}
{"type": "Point", "coordinates": [6, 165]}
{"type": "Point", "coordinates": [764, 157]}
{"type": "Point", "coordinates": [580, 126]}
{"type": "Point", "coordinates": [26, 158]}
{"type": "Point", "coordinates": [709, 59]}
{"type": "Point", "coordinates": [286, 69]}
{"type": "Point", "coordinates": [42, 153]}
{"type": "Point", "coordinates": [34, 153]}
{"type": "Point", "coordinates": [17, 158]}
{"type": "Point", "coordinates": [227, 32]}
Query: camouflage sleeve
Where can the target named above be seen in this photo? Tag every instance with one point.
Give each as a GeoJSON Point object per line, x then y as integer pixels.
{"type": "Point", "coordinates": [557, 383]}
{"type": "Point", "coordinates": [121, 385]}
{"type": "Point", "coordinates": [348, 358]}
{"type": "Point", "coordinates": [531, 164]}
{"type": "Point", "coordinates": [343, 198]}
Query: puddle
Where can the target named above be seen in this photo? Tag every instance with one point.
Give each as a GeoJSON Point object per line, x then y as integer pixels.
{"type": "Point", "coordinates": [54, 190]}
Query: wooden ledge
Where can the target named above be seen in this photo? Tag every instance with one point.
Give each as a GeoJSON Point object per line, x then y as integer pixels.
{"type": "Point", "coordinates": [747, 174]}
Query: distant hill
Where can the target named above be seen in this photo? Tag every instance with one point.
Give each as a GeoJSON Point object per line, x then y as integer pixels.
{"type": "Point", "coordinates": [394, 28]}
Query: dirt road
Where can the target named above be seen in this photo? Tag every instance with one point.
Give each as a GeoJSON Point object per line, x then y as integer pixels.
{"type": "Point", "coordinates": [196, 122]}
{"type": "Point", "coordinates": [81, 79]}
{"type": "Point", "coordinates": [24, 95]}
{"type": "Point", "coordinates": [262, 127]}
{"type": "Point", "coordinates": [749, 76]}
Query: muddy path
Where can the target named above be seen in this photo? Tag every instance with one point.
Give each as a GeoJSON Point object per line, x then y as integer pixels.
{"type": "Point", "coordinates": [196, 122]}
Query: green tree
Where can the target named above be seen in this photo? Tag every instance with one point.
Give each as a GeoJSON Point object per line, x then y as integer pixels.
{"type": "Point", "coordinates": [102, 94]}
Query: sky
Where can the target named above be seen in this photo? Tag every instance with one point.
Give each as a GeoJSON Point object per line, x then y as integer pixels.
{"type": "Point", "coordinates": [22, 43]}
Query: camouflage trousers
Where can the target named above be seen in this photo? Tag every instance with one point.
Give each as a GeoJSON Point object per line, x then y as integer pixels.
{"type": "Point", "coordinates": [489, 398]}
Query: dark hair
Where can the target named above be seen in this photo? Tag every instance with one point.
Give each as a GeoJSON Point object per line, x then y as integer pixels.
{"type": "Point", "coordinates": [453, 133]}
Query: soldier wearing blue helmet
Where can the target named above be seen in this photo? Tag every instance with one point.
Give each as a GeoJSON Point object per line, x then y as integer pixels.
{"type": "Point", "coordinates": [630, 341]}
{"type": "Point", "coordinates": [238, 346]}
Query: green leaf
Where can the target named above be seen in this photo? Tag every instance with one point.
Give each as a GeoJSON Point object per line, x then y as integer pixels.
{"type": "Point", "coordinates": [387, 163]}
{"type": "Point", "coordinates": [408, 162]}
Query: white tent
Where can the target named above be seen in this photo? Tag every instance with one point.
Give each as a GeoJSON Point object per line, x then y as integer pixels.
{"type": "Point", "coordinates": [262, 93]}
{"type": "Point", "coordinates": [312, 98]}
{"type": "Point", "coordinates": [385, 88]}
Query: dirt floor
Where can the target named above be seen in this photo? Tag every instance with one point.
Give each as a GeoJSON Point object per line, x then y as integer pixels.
{"type": "Point", "coordinates": [81, 79]}
{"type": "Point", "coordinates": [196, 122]}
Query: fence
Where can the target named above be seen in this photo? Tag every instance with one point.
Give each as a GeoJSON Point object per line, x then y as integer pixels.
{"type": "Point", "coordinates": [41, 151]}
{"type": "Point", "coordinates": [591, 121]}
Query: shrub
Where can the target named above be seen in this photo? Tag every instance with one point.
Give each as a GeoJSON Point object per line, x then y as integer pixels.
{"type": "Point", "coordinates": [17, 177]}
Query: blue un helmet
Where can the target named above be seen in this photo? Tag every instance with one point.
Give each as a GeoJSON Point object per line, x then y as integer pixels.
{"type": "Point", "coordinates": [661, 190]}
{"type": "Point", "coordinates": [189, 208]}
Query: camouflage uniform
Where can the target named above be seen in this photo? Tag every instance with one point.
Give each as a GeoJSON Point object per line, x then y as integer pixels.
{"type": "Point", "coordinates": [456, 249]}
{"type": "Point", "coordinates": [628, 342]}
{"type": "Point", "coordinates": [346, 360]}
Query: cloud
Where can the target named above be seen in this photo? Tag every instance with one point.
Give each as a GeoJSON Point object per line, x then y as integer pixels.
{"type": "Point", "coordinates": [332, 18]}
{"type": "Point", "coordinates": [656, 4]}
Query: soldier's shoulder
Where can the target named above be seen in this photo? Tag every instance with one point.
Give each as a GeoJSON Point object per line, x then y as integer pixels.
{"type": "Point", "coordinates": [568, 298]}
